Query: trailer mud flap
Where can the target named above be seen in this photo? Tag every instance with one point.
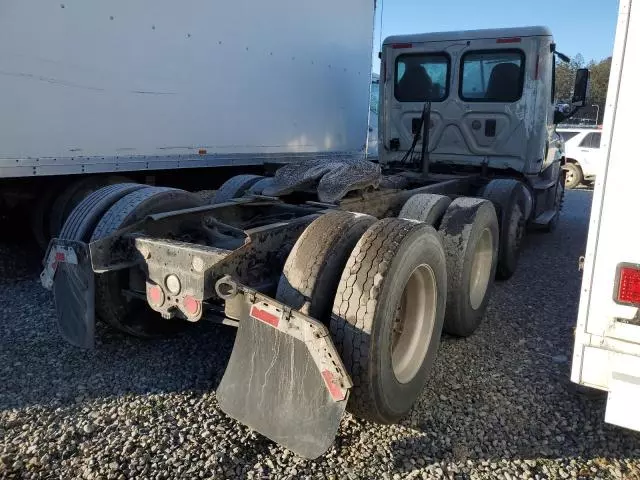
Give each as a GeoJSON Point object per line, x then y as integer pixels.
{"type": "Point", "coordinates": [285, 379]}
{"type": "Point", "coordinates": [69, 274]}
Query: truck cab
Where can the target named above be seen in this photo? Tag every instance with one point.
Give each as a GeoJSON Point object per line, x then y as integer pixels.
{"type": "Point", "coordinates": [491, 94]}
{"type": "Point", "coordinates": [489, 99]}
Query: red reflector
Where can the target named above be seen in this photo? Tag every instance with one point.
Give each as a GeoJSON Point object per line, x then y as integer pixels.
{"type": "Point", "coordinates": [191, 305]}
{"type": "Point", "coordinates": [155, 295]}
{"type": "Point", "coordinates": [509, 40]}
{"type": "Point", "coordinates": [265, 316]}
{"type": "Point", "coordinates": [60, 257]}
{"type": "Point", "coordinates": [396, 46]}
{"type": "Point", "coordinates": [629, 285]}
{"type": "Point", "coordinates": [334, 388]}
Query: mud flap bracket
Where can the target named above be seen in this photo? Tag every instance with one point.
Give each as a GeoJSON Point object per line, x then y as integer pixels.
{"type": "Point", "coordinates": [285, 378]}
{"type": "Point", "coordinates": [67, 271]}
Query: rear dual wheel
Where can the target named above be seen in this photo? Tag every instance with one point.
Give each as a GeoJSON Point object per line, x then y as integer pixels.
{"type": "Point", "coordinates": [113, 305]}
{"type": "Point", "coordinates": [426, 207]}
{"type": "Point", "coordinates": [509, 198]}
{"type": "Point", "coordinates": [470, 236]}
{"type": "Point", "coordinates": [55, 204]}
{"type": "Point", "coordinates": [236, 187]}
{"type": "Point", "coordinates": [388, 314]}
{"type": "Point", "coordinates": [311, 273]}
{"type": "Point", "coordinates": [102, 213]}
{"type": "Point", "coordinates": [381, 288]}
{"type": "Point", "coordinates": [389, 302]}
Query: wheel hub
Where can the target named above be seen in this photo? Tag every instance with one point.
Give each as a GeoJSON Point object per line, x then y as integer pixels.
{"type": "Point", "coordinates": [481, 269]}
{"type": "Point", "coordinates": [412, 328]}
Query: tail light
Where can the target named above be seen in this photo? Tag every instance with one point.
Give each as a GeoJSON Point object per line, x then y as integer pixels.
{"type": "Point", "coordinates": [628, 285]}
{"type": "Point", "coordinates": [192, 306]}
{"type": "Point", "coordinates": [155, 295]}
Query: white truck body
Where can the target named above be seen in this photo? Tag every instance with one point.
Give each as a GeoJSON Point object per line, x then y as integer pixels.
{"type": "Point", "coordinates": [607, 345]}
{"type": "Point", "coordinates": [128, 85]}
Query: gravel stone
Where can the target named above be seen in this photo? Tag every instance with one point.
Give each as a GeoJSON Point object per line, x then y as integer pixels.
{"type": "Point", "coordinates": [499, 404]}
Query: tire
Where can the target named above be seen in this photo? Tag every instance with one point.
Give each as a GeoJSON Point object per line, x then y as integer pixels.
{"type": "Point", "coordinates": [397, 266]}
{"type": "Point", "coordinates": [258, 187]}
{"type": "Point", "coordinates": [508, 198]}
{"type": "Point", "coordinates": [573, 175]}
{"type": "Point", "coordinates": [235, 187]}
{"type": "Point", "coordinates": [127, 315]}
{"type": "Point", "coordinates": [84, 218]}
{"type": "Point", "coordinates": [558, 203]}
{"type": "Point", "coordinates": [426, 207]}
{"type": "Point", "coordinates": [470, 236]}
{"type": "Point", "coordinates": [72, 195]}
{"type": "Point", "coordinates": [311, 273]}
{"type": "Point", "coordinates": [40, 214]}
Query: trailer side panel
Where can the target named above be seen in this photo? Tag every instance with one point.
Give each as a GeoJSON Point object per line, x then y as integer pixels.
{"type": "Point", "coordinates": [153, 84]}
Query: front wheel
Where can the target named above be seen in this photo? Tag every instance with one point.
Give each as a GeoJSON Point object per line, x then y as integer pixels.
{"type": "Point", "coordinates": [573, 175]}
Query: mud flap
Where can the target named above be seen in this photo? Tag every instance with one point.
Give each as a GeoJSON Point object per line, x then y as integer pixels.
{"type": "Point", "coordinates": [69, 274]}
{"type": "Point", "coordinates": [285, 379]}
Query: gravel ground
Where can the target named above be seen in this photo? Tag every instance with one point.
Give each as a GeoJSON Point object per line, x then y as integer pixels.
{"type": "Point", "coordinates": [499, 405]}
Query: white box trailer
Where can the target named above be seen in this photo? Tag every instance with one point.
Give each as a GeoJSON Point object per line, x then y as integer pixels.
{"type": "Point", "coordinates": [607, 344]}
{"type": "Point", "coordinates": [89, 87]}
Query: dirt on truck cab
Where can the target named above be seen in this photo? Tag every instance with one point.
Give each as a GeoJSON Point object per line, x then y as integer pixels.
{"type": "Point", "coordinates": [340, 274]}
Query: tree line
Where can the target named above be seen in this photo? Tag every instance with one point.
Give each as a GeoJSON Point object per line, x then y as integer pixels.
{"type": "Point", "coordinates": [599, 82]}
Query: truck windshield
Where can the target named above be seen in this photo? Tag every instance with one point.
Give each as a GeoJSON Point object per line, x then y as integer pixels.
{"type": "Point", "coordinates": [422, 76]}
{"type": "Point", "coordinates": [492, 76]}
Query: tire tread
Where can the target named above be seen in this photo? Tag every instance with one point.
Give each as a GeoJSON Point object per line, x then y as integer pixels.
{"type": "Point", "coordinates": [313, 268]}
{"type": "Point", "coordinates": [353, 314]}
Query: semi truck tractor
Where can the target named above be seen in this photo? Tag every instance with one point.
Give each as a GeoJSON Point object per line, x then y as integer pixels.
{"type": "Point", "coordinates": [98, 93]}
{"type": "Point", "coordinates": [339, 273]}
{"type": "Point", "coordinates": [607, 336]}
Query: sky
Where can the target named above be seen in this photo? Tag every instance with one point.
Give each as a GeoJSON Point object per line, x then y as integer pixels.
{"type": "Point", "coordinates": [578, 26]}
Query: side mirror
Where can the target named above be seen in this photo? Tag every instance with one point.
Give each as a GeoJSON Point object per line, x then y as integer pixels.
{"type": "Point", "coordinates": [580, 88]}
